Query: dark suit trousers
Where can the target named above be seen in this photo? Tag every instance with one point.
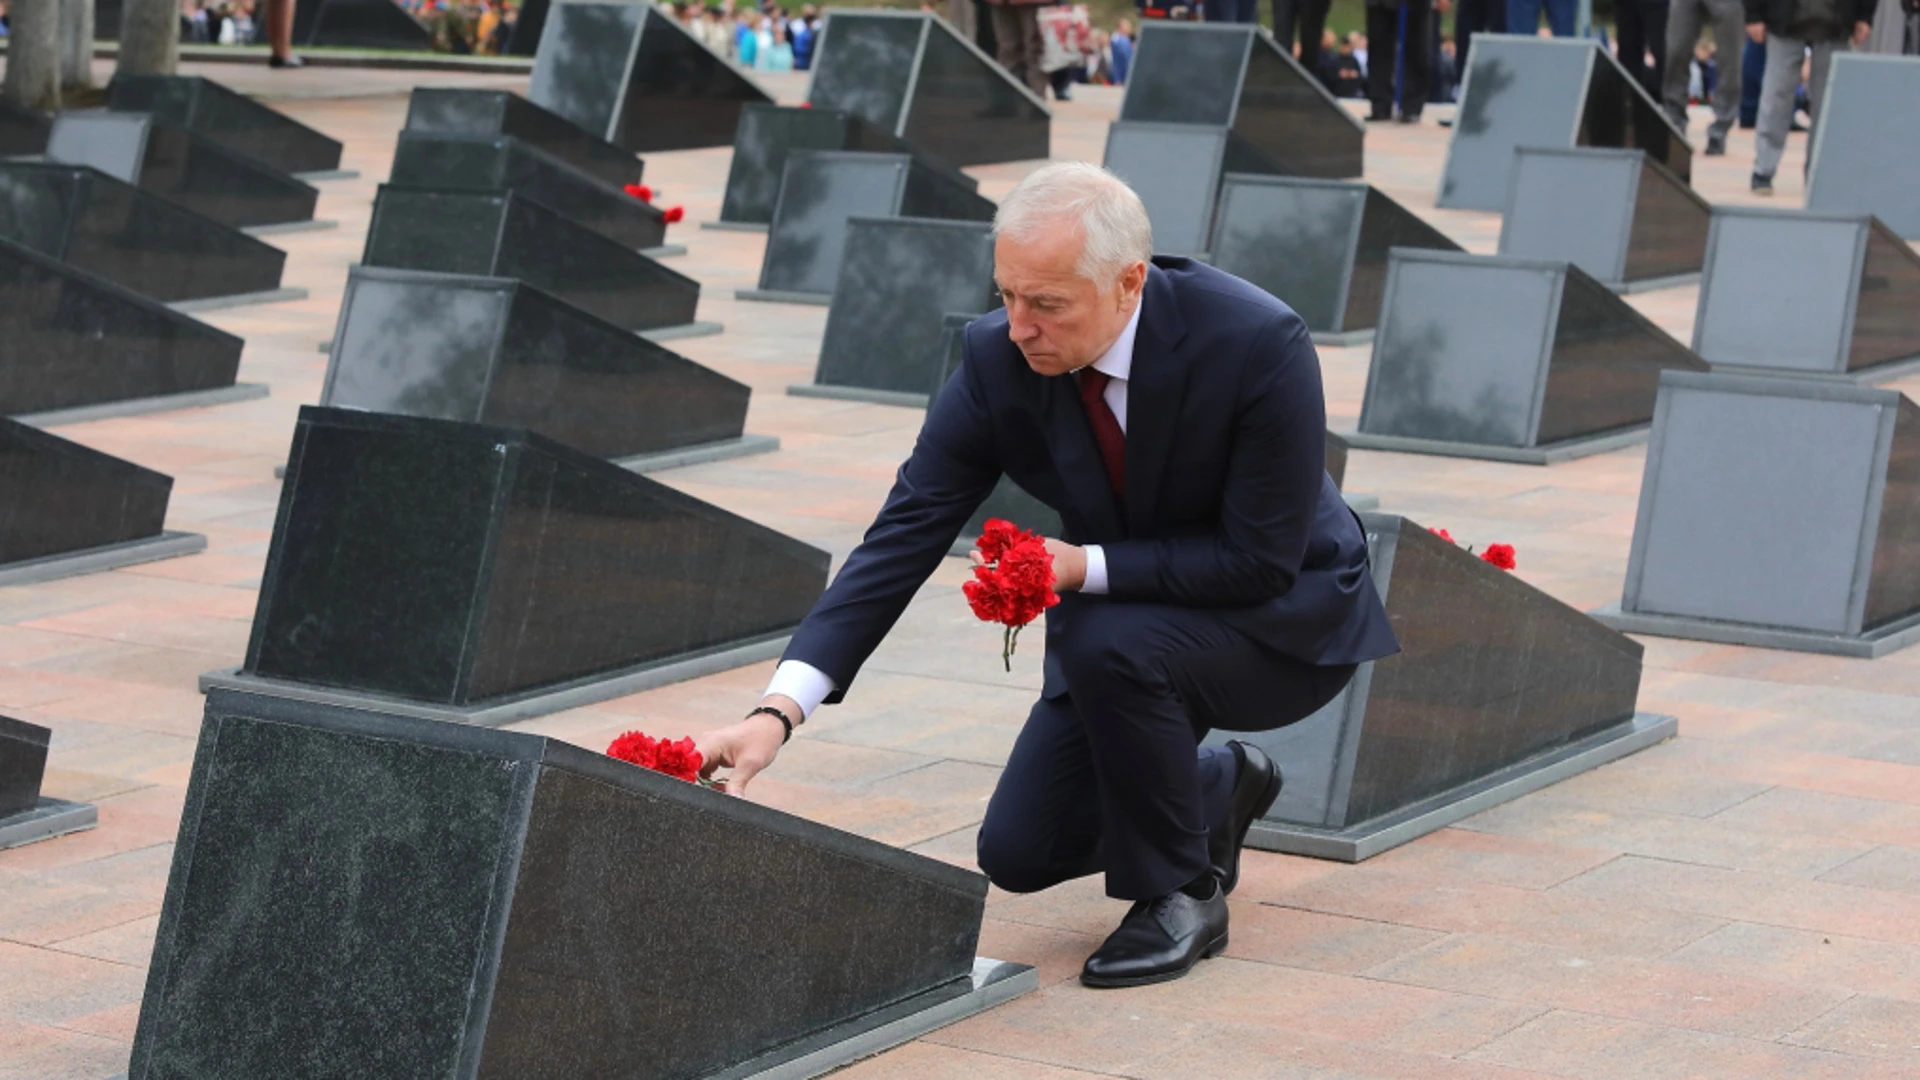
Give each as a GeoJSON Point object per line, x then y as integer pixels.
{"type": "Point", "coordinates": [1309, 18]}
{"type": "Point", "coordinates": [1016, 34]}
{"type": "Point", "coordinates": [1383, 35]}
{"type": "Point", "coordinates": [1108, 776]}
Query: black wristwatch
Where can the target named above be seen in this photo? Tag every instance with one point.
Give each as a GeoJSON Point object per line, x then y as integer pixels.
{"type": "Point", "coordinates": [785, 721]}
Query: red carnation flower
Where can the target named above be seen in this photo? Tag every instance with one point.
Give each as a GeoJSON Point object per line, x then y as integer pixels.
{"type": "Point", "coordinates": [1014, 583]}
{"type": "Point", "coordinates": [640, 191]}
{"type": "Point", "coordinates": [673, 214]}
{"type": "Point", "coordinates": [806, 104]}
{"type": "Point", "coordinates": [1500, 555]}
{"type": "Point", "coordinates": [677, 759]}
{"type": "Point", "coordinates": [1443, 534]}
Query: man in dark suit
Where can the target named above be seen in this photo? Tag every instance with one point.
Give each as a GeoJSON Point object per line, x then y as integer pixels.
{"type": "Point", "coordinates": [1211, 575]}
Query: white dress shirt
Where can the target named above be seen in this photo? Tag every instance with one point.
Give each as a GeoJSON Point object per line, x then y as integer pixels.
{"type": "Point", "coordinates": [808, 686]}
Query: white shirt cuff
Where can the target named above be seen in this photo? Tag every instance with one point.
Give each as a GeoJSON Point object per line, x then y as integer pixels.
{"type": "Point", "coordinates": [807, 685]}
{"type": "Point", "coordinates": [1096, 583]}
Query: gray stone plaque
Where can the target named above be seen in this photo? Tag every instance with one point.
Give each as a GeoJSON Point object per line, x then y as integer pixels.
{"type": "Point", "coordinates": [1782, 513]}
{"type": "Point", "coordinates": [1866, 156]}
{"type": "Point", "coordinates": [1510, 359]}
{"type": "Point", "coordinates": [768, 133]}
{"type": "Point", "coordinates": [1616, 214]}
{"type": "Point", "coordinates": [1547, 92]}
{"type": "Point", "coordinates": [182, 167]}
{"type": "Point", "coordinates": [1176, 170]}
{"type": "Point", "coordinates": [1852, 309]}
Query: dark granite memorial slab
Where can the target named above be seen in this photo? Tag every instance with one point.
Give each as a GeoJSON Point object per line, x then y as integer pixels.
{"type": "Point", "coordinates": [227, 118]}
{"type": "Point", "coordinates": [25, 814]}
{"type": "Point", "coordinates": [1235, 76]}
{"type": "Point", "coordinates": [528, 27]}
{"type": "Point", "coordinates": [485, 574]}
{"type": "Point", "coordinates": [501, 112]}
{"type": "Point", "coordinates": [821, 189]}
{"type": "Point", "coordinates": [1499, 690]}
{"type": "Point", "coordinates": [180, 166]}
{"type": "Point", "coordinates": [1319, 245]}
{"type": "Point", "coordinates": [1636, 226]}
{"type": "Point", "coordinates": [912, 76]}
{"type": "Point", "coordinates": [444, 161]}
{"type": "Point", "coordinates": [1853, 310]}
{"type": "Point", "coordinates": [359, 24]}
{"type": "Point", "coordinates": [632, 75]}
{"type": "Point", "coordinates": [129, 235]}
{"type": "Point", "coordinates": [1177, 170]}
{"type": "Point", "coordinates": [506, 234]}
{"type": "Point", "coordinates": [1866, 152]}
{"type": "Point", "coordinates": [1547, 92]}
{"type": "Point", "coordinates": [532, 910]}
{"type": "Point", "coordinates": [494, 351]}
{"type": "Point", "coordinates": [768, 133]}
{"type": "Point", "coordinates": [1778, 513]}
{"type": "Point", "coordinates": [74, 340]}
{"type": "Point", "coordinates": [1510, 360]}
{"type": "Point", "coordinates": [22, 131]}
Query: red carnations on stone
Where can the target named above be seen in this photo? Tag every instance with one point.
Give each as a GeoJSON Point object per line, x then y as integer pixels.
{"type": "Point", "coordinates": [640, 191]}
{"type": "Point", "coordinates": [673, 214]}
{"type": "Point", "coordinates": [676, 758]}
{"type": "Point", "coordinates": [1500, 555]}
{"type": "Point", "coordinates": [1014, 582]}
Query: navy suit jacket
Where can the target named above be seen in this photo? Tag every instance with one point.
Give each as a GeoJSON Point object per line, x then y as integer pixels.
{"type": "Point", "coordinates": [1229, 506]}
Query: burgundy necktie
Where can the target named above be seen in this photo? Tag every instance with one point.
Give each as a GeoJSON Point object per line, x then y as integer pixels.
{"type": "Point", "coordinates": [1106, 428]}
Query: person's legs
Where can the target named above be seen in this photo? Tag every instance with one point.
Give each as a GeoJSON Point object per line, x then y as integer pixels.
{"type": "Point", "coordinates": [1469, 18]}
{"type": "Point", "coordinates": [1629, 22]}
{"type": "Point", "coordinates": [1033, 47]}
{"type": "Point", "coordinates": [1561, 15]}
{"type": "Point", "coordinates": [1286, 16]}
{"type": "Point", "coordinates": [1313, 25]}
{"type": "Point", "coordinates": [1417, 66]}
{"type": "Point", "coordinates": [1817, 91]}
{"type": "Point", "coordinates": [1247, 11]}
{"type": "Point", "coordinates": [1383, 35]}
{"type": "Point", "coordinates": [1753, 71]}
{"type": "Point", "coordinates": [1653, 16]}
{"type": "Point", "coordinates": [1523, 16]}
{"type": "Point", "coordinates": [280, 30]}
{"type": "Point", "coordinates": [1043, 822]}
{"type": "Point", "coordinates": [1776, 102]}
{"type": "Point", "coordinates": [1683, 30]}
{"type": "Point", "coordinates": [1729, 49]}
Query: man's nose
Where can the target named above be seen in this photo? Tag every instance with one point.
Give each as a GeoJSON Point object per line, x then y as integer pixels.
{"type": "Point", "coordinates": [1020, 328]}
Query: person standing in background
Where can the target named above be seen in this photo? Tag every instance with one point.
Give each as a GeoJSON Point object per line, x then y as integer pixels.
{"type": "Point", "coordinates": [1523, 16]}
{"type": "Point", "coordinates": [1472, 17]}
{"type": "Point", "coordinates": [1642, 28]}
{"type": "Point", "coordinates": [1307, 18]}
{"type": "Point", "coordinates": [1120, 48]}
{"type": "Point", "coordinates": [804, 31]}
{"type": "Point", "coordinates": [1791, 29]}
{"type": "Point", "coordinates": [1384, 18]}
{"type": "Point", "coordinates": [280, 35]}
{"type": "Point", "coordinates": [1016, 33]}
{"type": "Point", "coordinates": [1683, 32]}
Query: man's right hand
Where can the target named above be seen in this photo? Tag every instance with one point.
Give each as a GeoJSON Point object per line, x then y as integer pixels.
{"type": "Point", "coordinates": [746, 747]}
{"type": "Point", "coordinates": [1758, 32]}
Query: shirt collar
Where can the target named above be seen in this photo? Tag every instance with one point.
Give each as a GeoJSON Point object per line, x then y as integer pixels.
{"type": "Point", "coordinates": [1117, 361]}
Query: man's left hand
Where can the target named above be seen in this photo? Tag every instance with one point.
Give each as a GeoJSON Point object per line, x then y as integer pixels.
{"type": "Point", "coordinates": [1069, 564]}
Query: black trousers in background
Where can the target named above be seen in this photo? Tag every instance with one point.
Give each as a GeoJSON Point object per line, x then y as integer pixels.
{"type": "Point", "coordinates": [1472, 17]}
{"type": "Point", "coordinates": [1309, 17]}
{"type": "Point", "coordinates": [1643, 29]}
{"type": "Point", "coordinates": [1108, 775]}
{"type": "Point", "coordinates": [1383, 36]}
{"type": "Point", "coordinates": [1016, 34]}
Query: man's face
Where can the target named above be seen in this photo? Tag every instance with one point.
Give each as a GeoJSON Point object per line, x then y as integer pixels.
{"type": "Point", "coordinates": [1060, 321]}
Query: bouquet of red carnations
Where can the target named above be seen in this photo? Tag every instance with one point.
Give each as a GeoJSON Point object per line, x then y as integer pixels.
{"type": "Point", "coordinates": [676, 758]}
{"type": "Point", "coordinates": [1013, 583]}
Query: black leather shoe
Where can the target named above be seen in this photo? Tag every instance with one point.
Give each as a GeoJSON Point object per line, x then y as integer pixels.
{"type": "Point", "coordinates": [1159, 940]}
{"type": "Point", "coordinates": [1256, 785]}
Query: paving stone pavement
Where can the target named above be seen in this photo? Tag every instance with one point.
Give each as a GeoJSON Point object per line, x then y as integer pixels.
{"type": "Point", "coordinates": [1738, 902]}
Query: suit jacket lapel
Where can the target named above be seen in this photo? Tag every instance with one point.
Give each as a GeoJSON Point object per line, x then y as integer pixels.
{"type": "Point", "coordinates": [1156, 387]}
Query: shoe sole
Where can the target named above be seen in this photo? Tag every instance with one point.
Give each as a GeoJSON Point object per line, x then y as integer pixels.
{"type": "Point", "coordinates": [1267, 799]}
{"type": "Point", "coordinates": [1093, 982]}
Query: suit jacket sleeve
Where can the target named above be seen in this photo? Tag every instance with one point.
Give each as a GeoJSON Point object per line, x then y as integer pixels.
{"type": "Point", "coordinates": [952, 469]}
{"type": "Point", "coordinates": [1275, 471]}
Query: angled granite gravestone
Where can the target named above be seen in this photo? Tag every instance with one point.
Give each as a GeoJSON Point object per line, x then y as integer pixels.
{"type": "Point", "coordinates": [1509, 360]}
{"type": "Point", "coordinates": [450, 162]}
{"type": "Point", "coordinates": [629, 73]}
{"type": "Point", "coordinates": [1177, 170]}
{"type": "Point", "coordinates": [229, 119]}
{"type": "Point", "coordinates": [131, 236]}
{"type": "Point", "coordinates": [25, 814]}
{"type": "Point", "coordinates": [910, 74]}
{"type": "Point", "coordinates": [181, 166]}
{"type": "Point", "coordinates": [66, 509]}
{"type": "Point", "coordinates": [1235, 76]}
{"type": "Point", "coordinates": [900, 277]}
{"type": "Point", "coordinates": [502, 112]}
{"type": "Point", "coordinates": [1865, 149]}
{"type": "Point", "coordinates": [1778, 513]}
{"type": "Point", "coordinates": [79, 346]}
{"type": "Point", "coordinates": [22, 131]}
{"type": "Point", "coordinates": [484, 574]}
{"type": "Point", "coordinates": [533, 910]}
{"type": "Point", "coordinates": [496, 351]}
{"type": "Point", "coordinates": [1852, 312]}
{"type": "Point", "coordinates": [359, 24]}
{"type": "Point", "coordinates": [506, 234]}
{"type": "Point", "coordinates": [821, 189]}
{"type": "Point", "coordinates": [1319, 245]}
{"type": "Point", "coordinates": [1499, 690]}
{"type": "Point", "coordinates": [1636, 226]}
{"type": "Point", "coordinates": [768, 133]}
{"type": "Point", "coordinates": [1547, 92]}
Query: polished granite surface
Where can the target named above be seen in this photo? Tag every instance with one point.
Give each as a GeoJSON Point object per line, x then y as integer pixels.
{"type": "Point", "coordinates": [456, 564]}
{"type": "Point", "coordinates": [1466, 342]}
{"type": "Point", "coordinates": [228, 119]}
{"type": "Point", "coordinates": [1235, 76]}
{"type": "Point", "coordinates": [528, 27]}
{"type": "Point", "coordinates": [23, 763]}
{"type": "Point", "coordinates": [1176, 170]}
{"type": "Point", "coordinates": [768, 133]}
{"type": "Point", "coordinates": [1886, 313]}
{"type": "Point", "coordinates": [1492, 671]}
{"type": "Point", "coordinates": [911, 75]}
{"type": "Point", "coordinates": [506, 234]}
{"type": "Point", "coordinates": [129, 235]}
{"type": "Point", "coordinates": [445, 161]}
{"type": "Point", "coordinates": [1746, 476]}
{"type": "Point", "coordinates": [1008, 500]}
{"type": "Point", "coordinates": [359, 24]}
{"type": "Point", "coordinates": [1319, 245]}
{"type": "Point", "coordinates": [22, 131]}
{"type": "Point", "coordinates": [494, 351]}
{"type": "Point", "coordinates": [630, 74]}
{"type": "Point", "coordinates": [502, 112]}
{"type": "Point", "coordinates": [522, 902]}
{"type": "Point", "coordinates": [75, 339]}
{"type": "Point", "coordinates": [61, 497]}
{"type": "Point", "coordinates": [898, 278]}
{"type": "Point", "coordinates": [1636, 221]}
{"type": "Point", "coordinates": [1866, 156]}
{"type": "Point", "coordinates": [1620, 113]}
{"type": "Point", "coordinates": [180, 166]}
